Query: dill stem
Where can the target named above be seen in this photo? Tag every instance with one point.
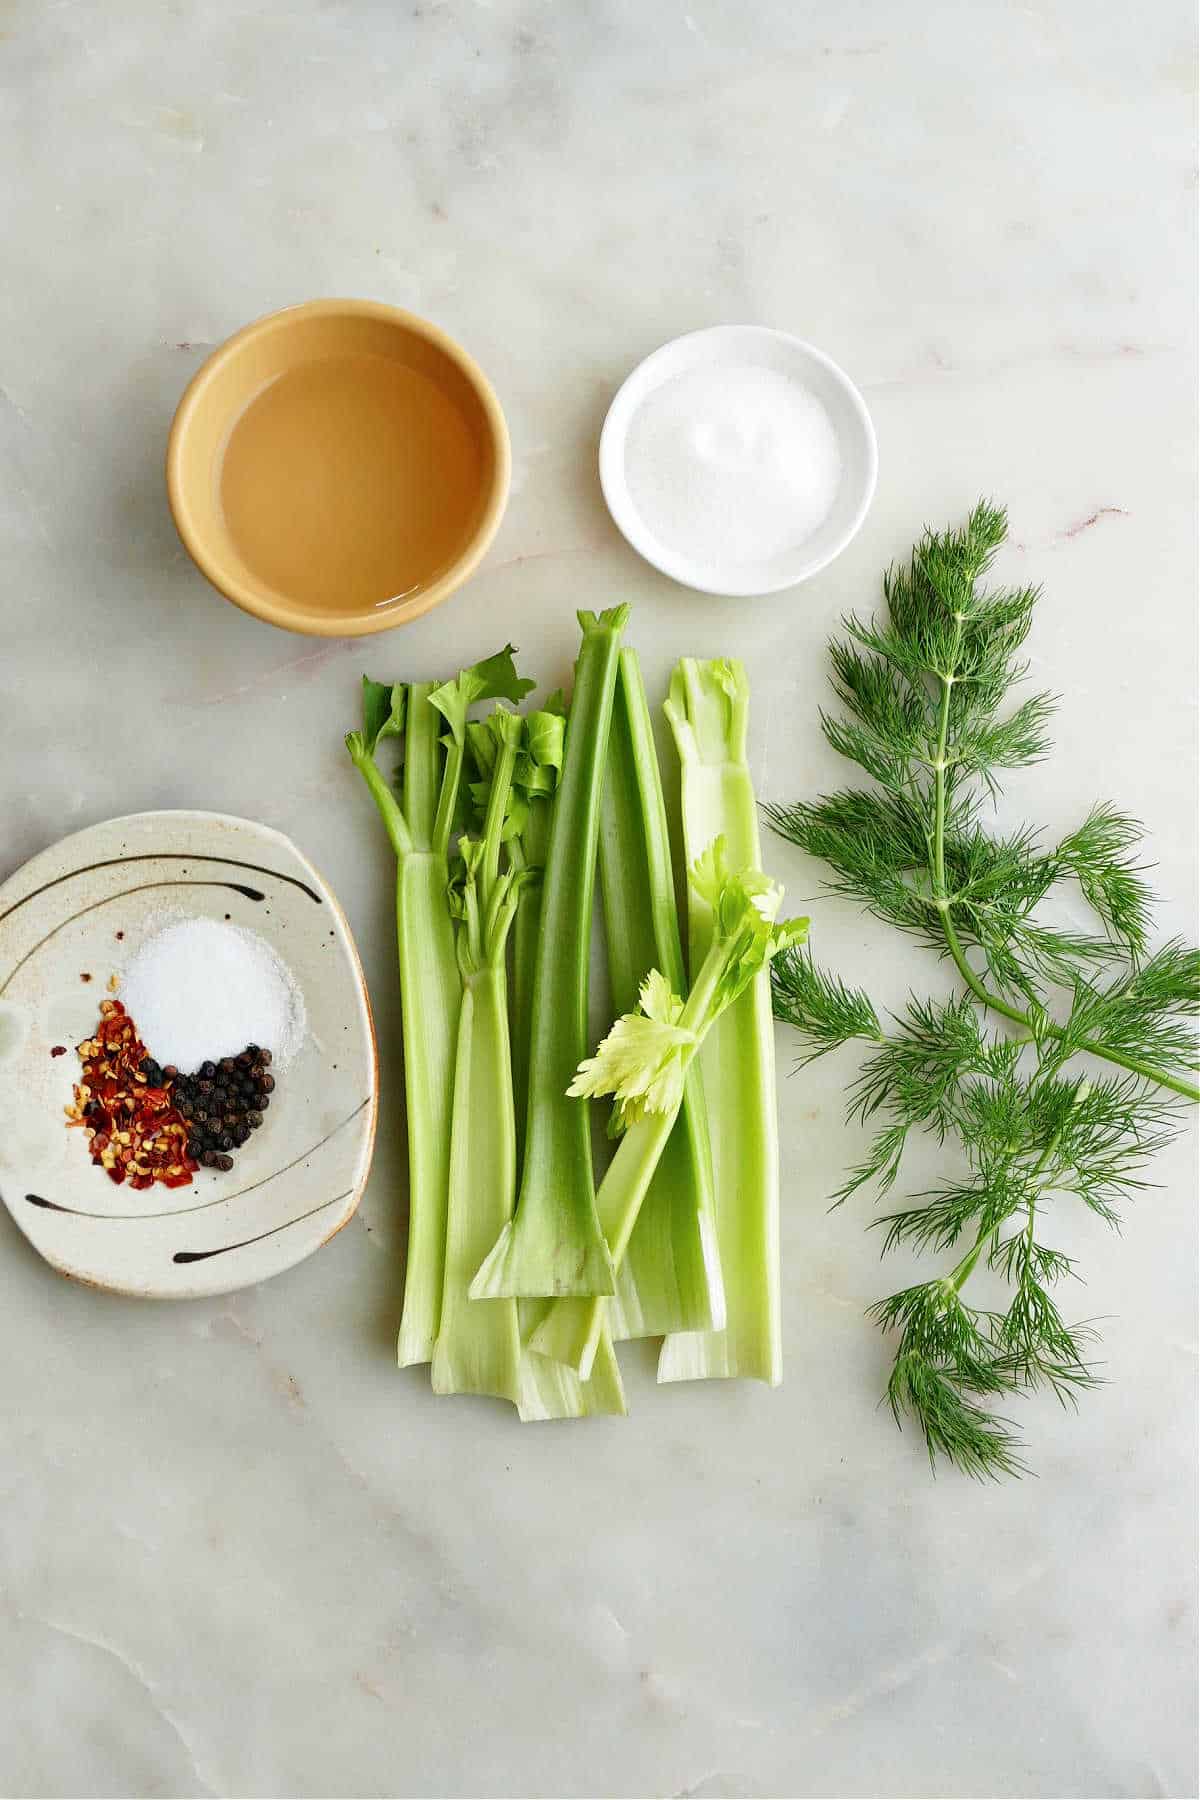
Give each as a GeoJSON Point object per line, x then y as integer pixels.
{"type": "Point", "coordinates": [961, 1273]}
{"type": "Point", "coordinates": [1134, 1064]}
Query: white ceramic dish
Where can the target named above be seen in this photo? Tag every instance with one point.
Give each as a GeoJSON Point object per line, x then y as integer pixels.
{"type": "Point", "coordinates": [299, 1178]}
{"type": "Point", "coordinates": [746, 346]}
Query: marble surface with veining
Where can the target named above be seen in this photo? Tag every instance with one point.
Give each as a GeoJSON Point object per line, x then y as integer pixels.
{"type": "Point", "coordinates": [240, 1554]}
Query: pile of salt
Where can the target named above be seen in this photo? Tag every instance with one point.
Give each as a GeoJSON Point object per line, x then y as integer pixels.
{"type": "Point", "coordinates": [199, 990]}
{"type": "Point", "coordinates": [732, 465]}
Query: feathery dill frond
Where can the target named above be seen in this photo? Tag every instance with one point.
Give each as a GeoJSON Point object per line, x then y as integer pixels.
{"type": "Point", "coordinates": [924, 695]}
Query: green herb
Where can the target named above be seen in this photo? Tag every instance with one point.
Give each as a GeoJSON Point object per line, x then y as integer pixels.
{"type": "Point", "coordinates": [996, 1069]}
{"type": "Point", "coordinates": [645, 1059]}
{"type": "Point", "coordinates": [419, 827]}
{"type": "Point", "coordinates": [554, 1244]}
{"type": "Point", "coordinates": [707, 708]}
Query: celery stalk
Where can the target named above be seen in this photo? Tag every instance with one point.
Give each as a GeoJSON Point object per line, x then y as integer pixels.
{"type": "Point", "coordinates": [554, 1244]}
{"type": "Point", "coordinates": [536, 779]}
{"type": "Point", "coordinates": [551, 1390]}
{"type": "Point", "coordinates": [668, 1278]}
{"type": "Point", "coordinates": [430, 985]}
{"type": "Point", "coordinates": [707, 709]}
{"type": "Point", "coordinates": [481, 1340]}
{"type": "Point", "coordinates": [430, 996]}
{"type": "Point", "coordinates": [430, 993]}
{"type": "Point", "coordinates": [646, 1060]}
{"type": "Point", "coordinates": [478, 1348]}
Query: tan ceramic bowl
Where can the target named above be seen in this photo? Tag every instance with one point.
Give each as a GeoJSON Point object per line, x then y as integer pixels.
{"type": "Point", "coordinates": [338, 468]}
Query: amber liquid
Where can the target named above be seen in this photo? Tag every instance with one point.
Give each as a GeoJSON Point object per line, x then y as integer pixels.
{"type": "Point", "coordinates": [351, 481]}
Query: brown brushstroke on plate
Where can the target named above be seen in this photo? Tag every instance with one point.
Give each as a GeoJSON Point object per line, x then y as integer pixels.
{"type": "Point", "coordinates": [195, 1256]}
{"type": "Point", "coordinates": [113, 862]}
{"type": "Point", "coordinates": [143, 887]}
{"type": "Point", "coordinates": [181, 1212]}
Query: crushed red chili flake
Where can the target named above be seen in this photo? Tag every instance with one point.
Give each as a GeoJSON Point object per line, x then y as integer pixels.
{"type": "Point", "coordinates": [134, 1131]}
{"type": "Point", "coordinates": [59, 1050]}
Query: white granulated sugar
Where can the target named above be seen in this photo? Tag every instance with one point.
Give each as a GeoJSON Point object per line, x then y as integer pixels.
{"type": "Point", "coordinates": [732, 464]}
{"type": "Point", "coordinates": [199, 990]}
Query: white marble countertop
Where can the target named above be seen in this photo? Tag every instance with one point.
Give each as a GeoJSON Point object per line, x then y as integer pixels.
{"type": "Point", "coordinates": [240, 1554]}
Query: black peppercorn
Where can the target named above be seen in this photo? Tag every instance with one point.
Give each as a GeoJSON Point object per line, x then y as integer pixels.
{"type": "Point", "coordinates": [208, 1070]}
{"type": "Point", "coordinates": [254, 1120]}
{"type": "Point", "coordinates": [264, 1057]}
{"type": "Point", "coordinates": [223, 1162]}
{"type": "Point", "coordinates": [268, 1083]}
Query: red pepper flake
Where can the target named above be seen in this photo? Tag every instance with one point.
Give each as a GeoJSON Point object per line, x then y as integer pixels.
{"type": "Point", "coordinates": [59, 1050]}
{"type": "Point", "coordinates": [135, 1132]}
{"type": "Point", "coordinates": [85, 978]}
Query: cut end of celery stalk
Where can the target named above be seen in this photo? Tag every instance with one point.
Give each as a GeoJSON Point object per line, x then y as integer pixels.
{"type": "Point", "coordinates": [484, 1366]}
{"type": "Point", "coordinates": [531, 1263]}
{"type": "Point", "coordinates": [718, 1355]}
{"type": "Point", "coordinates": [570, 1334]}
{"type": "Point", "coordinates": [415, 1342]}
{"type": "Point", "coordinates": [550, 1390]}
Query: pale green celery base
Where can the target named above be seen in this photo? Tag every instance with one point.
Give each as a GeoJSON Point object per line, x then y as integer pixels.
{"type": "Point", "coordinates": [430, 997]}
{"type": "Point", "coordinates": [531, 1259]}
{"type": "Point", "coordinates": [670, 1276]}
{"type": "Point", "coordinates": [549, 1390]}
{"type": "Point", "coordinates": [737, 1061]}
{"type": "Point", "coordinates": [571, 1329]}
{"type": "Point", "coordinates": [568, 1333]}
{"type": "Point", "coordinates": [478, 1348]}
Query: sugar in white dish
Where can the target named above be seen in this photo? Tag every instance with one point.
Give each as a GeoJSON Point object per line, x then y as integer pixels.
{"type": "Point", "coordinates": [199, 990]}
{"type": "Point", "coordinates": [732, 464]}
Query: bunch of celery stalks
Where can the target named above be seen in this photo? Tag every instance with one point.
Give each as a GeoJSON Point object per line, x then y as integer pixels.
{"type": "Point", "coordinates": [521, 1275]}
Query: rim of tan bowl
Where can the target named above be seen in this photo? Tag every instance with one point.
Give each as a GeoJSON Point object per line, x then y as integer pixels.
{"type": "Point", "coordinates": [279, 610]}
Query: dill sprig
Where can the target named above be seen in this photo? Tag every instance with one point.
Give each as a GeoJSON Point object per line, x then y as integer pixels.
{"type": "Point", "coordinates": [995, 1070]}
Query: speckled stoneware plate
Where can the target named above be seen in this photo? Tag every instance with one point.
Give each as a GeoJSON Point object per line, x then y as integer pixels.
{"type": "Point", "coordinates": [299, 1178]}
